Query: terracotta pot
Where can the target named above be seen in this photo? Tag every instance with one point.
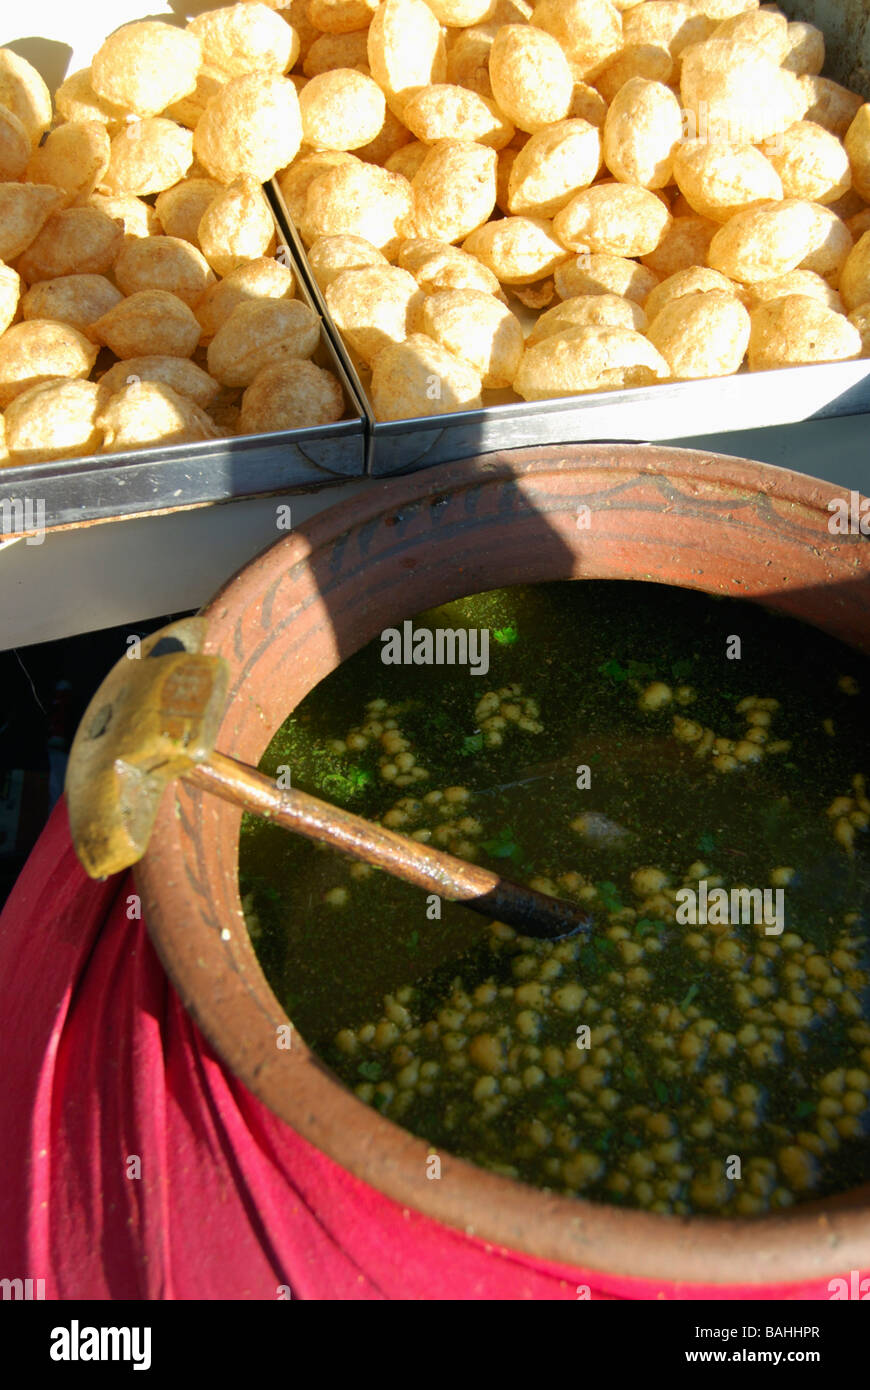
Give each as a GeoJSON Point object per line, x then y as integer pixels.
{"type": "Point", "coordinates": [696, 520]}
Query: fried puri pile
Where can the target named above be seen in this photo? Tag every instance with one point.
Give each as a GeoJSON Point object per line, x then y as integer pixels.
{"type": "Point", "coordinates": [577, 195]}
{"type": "Point", "coordinates": [144, 298]}
{"type": "Point", "coordinates": [539, 201]}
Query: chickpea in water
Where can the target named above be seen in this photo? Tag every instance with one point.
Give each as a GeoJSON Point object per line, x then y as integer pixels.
{"type": "Point", "coordinates": [626, 1063]}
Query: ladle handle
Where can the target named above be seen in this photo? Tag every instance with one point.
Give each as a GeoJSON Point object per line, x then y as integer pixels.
{"type": "Point", "coordinates": [533, 914]}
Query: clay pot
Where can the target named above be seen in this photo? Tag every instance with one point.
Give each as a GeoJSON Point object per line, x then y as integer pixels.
{"type": "Point", "coordinates": [697, 520]}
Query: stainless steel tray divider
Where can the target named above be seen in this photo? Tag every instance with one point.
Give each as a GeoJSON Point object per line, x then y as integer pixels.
{"type": "Point", "coordinates": [299, 254]}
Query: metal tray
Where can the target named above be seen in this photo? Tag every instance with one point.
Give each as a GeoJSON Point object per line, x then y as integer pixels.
{"type": "Point", "coordinates": [39, 497]}
{"type": "Point", "coordinates": [680, 410]}
{"type": "Point", "coordinates": [748, 400]}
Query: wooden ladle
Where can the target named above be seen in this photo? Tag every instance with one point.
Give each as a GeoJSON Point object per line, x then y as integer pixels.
{"type": "Point", "coordinates": [155, 718]}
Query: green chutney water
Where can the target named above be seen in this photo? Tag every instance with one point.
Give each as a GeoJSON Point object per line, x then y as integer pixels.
{"type": "Point", "coordinates": [630, 747]}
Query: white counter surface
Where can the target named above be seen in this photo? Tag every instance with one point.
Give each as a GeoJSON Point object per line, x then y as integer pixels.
{"type": "Point", "coordinates": [127, 571]}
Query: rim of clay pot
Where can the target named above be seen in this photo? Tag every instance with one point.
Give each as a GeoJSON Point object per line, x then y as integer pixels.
{"type": "Point", "coordinates": [698, 520]}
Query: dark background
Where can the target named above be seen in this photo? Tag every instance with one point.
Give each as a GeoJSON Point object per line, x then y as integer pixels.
{"type": "Point", "coordinates": [44, 691]}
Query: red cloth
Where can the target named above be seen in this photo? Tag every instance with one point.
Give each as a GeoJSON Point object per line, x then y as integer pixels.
{"type": "Point", "coordinates": [103, 1065]}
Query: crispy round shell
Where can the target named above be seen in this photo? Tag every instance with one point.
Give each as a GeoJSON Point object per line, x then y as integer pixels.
{"type": "Point", "coordinates": [76, 100]}
{"type": "Point", "coordinates": [454, 189]}
{"type": "Point", "coordinates": [461, 13]}
{"type": "Point", "coordinates": [291, 395]}
{"type": "Point", "coordinates": [163, 263]}
{"type": "Point", "coordinates": [405, 50]}
{"type": "Point", "coordinates": [77, 240]}
{"type": "Point", "coordinates": [24, 93]}
{"type": "Point", "coordinates": [392, 137]}
{"type": "Point", "coordinates": [180, 207]}
{"type": "Point", "coordinates": [719, 179]}
{"type": "Point", "coordinates": [828, 104]}
{"type": "Point", "coordinates": [604, 273]}
{"type": "Point", "coordinates": [698, 279]}
{"type": "Point", "coordinates": [259, 332]}
{"type": "Point", "coordinates": [446, 112]}
{"type": "Point", "coordinates": [701, 335]}
{"type": "Point", "coordinates": [642, 131]}
{"type": "Point", "coordinates": [15, 147]}
{"type": "Point", "coordinates": [145, 66]}
{"type": "Point", "coordinates": [805, 48]}
{"type": "Point", "coordinates": [588, 31]}
{"type": "Point", "coordinates": [468, 58]}
{"type": "Point", "coordinates": [670, 24]}
{"type": "Point", "coordinates": [597, 310]}
{"type": "Point", "coordinates": [855, 276]}
{"type": "Point", "coordinates": [373, 306]}
{"type": "Point", "coordinates": [330, 256]}
{"type": "Point", "coordinates": [736, 92]}
{"type": "Point", "coordinates": [420, 377]}
{"type": "Point", "coordinates": [150, 413]}
{"type": "Point", "coordinates": [24, 210]}
{"type": "Point", "coordinates": [40, 350]}
{"type": "Point", "coordinates": [518, 250]}
{"type": "Point", "coordinates": [830, 242]}
{"type": "Point", "coordinates": [341, 16]}
{"type": "Point", "coordinates": [251, 126]}
{"type": "Point", "coordinates": [78, 300]}
{"type": "Point", "coordinates": [478, 329]}
{"type": "Point", "coordinates": [531, 80]}
{"type": "Point", "coordinates": [860, 319]}
{"type": "Point", "coordinates": [857, 145]}
{"type": "Point", "coordinates": [797, 329]}
{"type": "Point", "coordinates": [587, 104]}
{"type": "Point", "coordinates": [295, 181]}
{"type": "Point", "coordinates": [591, 358]}
{"type": "Point", "coordinates": [137, 218]}
{"type": "Point", "coordinates": [73, 157]}
{"type": "Point", "coordinates": [684, 244]}
{"type": "Point", "coordinates": [805, 282]}
{"type": "Point", "coordinates": [765, 32]}
{"type": "Point", "coordinates": [764, 241]}
{"type": "Point", "coordinates": [341, 110]}
{"type": "Point", "coordinates": [263, 278]}
{"type": "Point", "coordinates": [148, 323]}
{"type": "Point", "coordinates": [236, 226]}
{"type": "Point", "coordinates": [436, 265]}
{"type": "Point", "coordinates": [180, 373]}
{"type": "Point", "coordinates": [10, 296]}
{"type": "Point", "coordinates": [811, 163]}
{"type": "Point", "coordinates": [54, 420]}
{"type": "Point", "coordinates": [245, 38]}
{"type": "Point", "coordinates": [650, 60]}
{"type": "Point", "coordinates": [619, 219]}
{"type": "Point", "coordinates": [360, 200]}
{"type": "Point", "coordinates": [330, 51]}
{"type": "Point", "coordinates": [147, 156]}
{"type": "Point", "coordinates": [552, 167]}
{"type": "Point", "coordinates": [859, 223]}
{"type": "Point", "coordinates": [188, 110]}
{"type": "Point", "coordinates": [407, 159]}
